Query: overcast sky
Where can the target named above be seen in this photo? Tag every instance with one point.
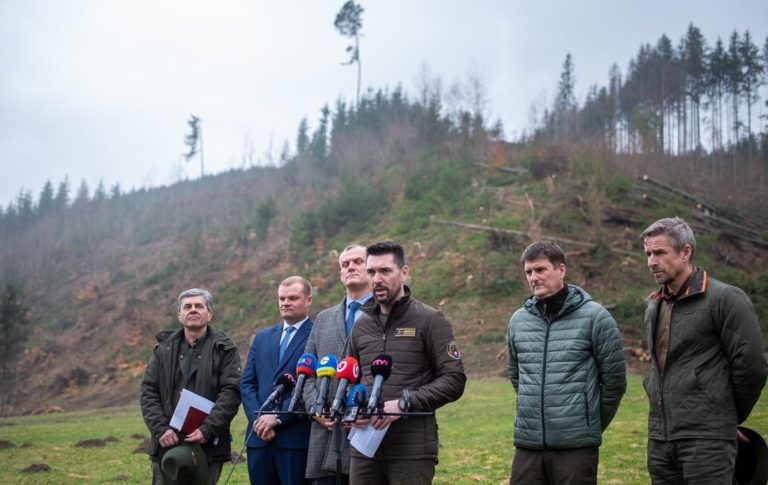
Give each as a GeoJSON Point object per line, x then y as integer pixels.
{"type": "Point", "coordinates": [102, 89]}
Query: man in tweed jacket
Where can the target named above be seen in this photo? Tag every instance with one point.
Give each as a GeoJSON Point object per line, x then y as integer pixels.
{"type": "Point", "coordinates": [329, 336]}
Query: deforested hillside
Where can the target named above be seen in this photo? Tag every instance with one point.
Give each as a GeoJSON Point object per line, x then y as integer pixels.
{"type": "Point", "coordinates": [100, 274]}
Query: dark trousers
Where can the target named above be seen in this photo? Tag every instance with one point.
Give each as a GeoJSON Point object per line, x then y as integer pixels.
{"type": "Point", "coordinates": [272, 465]}
{"type": "Point", "coordinates": [331, 480]}
{"type": "Point", "coordinates": [364, 471]}
{"type": "Point", "coordinates": [214, 472]}
{"type": "Point", "coordinates": [555, 467]}
{"type": "Point", "coordinates": [694, 461]}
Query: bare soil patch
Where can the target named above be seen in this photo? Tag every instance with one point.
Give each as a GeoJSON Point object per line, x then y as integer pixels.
{"type": "Point", "coordinates": [36, 468]}
{"type": "Point", "coordinates": [92, 443]}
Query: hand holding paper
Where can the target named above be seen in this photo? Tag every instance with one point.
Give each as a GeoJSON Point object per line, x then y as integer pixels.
{"type": "Point", "coordinates": [190, 412]}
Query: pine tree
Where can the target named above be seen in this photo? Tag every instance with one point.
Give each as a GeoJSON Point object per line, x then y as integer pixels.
{"type": "Point", "coordinates": [302, 137]}
{"type": "Point", "coordinates": [319, 143]}
{"type": "Point", "coordinates": [100, 194]}
{"type": "Point", "coordinates": [694, 55]}
{"type": "Point", "coordinates": [565, 103]}
{"type": "Point", "coordinates": [45, 201]}
{"type": "Point", "coordinates": [734, 82]}
{"type": "Point", "coordinates": [194, 140]}
{"type": "Point", "coordinates": [348, 22]}
{"type": "Point", "coordinates": [83, 195]}
{"type": "Point", "coordinates": [61, 201]}
{"type": "Point", "coordinates": [14, 330]}
{"type": "Point", "coordinates": [717, 69]}
{"type": "Point", "coordinates": [665, 58]}
{"type": "Point", "coordinates": [614, 94]}
{"type": "Point", "coordinates": [751, 79]}
{"type": "Point", "coordinates": [24, 207]}
{"type": "Point", "coordinates": [115, 191]}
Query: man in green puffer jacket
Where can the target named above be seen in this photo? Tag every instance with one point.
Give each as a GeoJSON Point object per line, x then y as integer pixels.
{"type": "Point", "coordinates": [707, 366]}
{"type": "Point", "coordinates": [566, 361]}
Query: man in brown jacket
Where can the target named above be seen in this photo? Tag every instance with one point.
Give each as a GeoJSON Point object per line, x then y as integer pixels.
{"type": "Point", "coordinates": [426, 372]}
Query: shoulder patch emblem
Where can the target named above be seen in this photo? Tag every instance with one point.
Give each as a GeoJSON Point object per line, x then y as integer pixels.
{"type": "Point", "coordinates": [453, 350]}
{"type": "Point", "coordinates": [405, 332]}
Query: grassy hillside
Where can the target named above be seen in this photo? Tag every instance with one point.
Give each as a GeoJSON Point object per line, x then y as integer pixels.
{"type": "Point", "coordinates": [101, 277]}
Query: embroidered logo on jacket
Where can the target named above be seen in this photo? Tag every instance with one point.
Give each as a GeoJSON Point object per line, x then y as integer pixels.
{"type": "Point", "coordinates": [453, 350]}
{"type": "Point", "coordinates": [405, 332]}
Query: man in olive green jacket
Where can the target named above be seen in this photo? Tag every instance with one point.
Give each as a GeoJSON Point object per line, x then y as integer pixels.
{"type": "Point", "coordinates": [707, 366]}
{"type": "Point", "coordinates": [202, 359]}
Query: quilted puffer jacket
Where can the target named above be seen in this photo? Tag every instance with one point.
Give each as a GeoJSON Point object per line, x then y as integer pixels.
{"type": "Point", "coordinates": [569, 373]}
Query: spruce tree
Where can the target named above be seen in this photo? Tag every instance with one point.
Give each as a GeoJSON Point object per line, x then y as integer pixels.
{"type": "Point", "coordinates": [348, 22]}
{"type": "Point", "coordinates": [14, 330]}
{"type": "Point", "coordinates": [751, 78]}
{"type": "Point", "coordinates": [45, 202]}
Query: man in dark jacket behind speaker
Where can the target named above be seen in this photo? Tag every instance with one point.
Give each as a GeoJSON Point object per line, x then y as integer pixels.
{"type": "Point", "coordinates": [707, 365]}
{"type": "Point", "coordinates": [426, 372]}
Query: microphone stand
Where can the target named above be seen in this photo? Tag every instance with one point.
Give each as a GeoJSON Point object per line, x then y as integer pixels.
{"type": "Point", "coordinates": [237, 459]}
{"type": "Point", "coordinates": [278, 402]}
{"type": "Point", "coordinates": [338, 435]}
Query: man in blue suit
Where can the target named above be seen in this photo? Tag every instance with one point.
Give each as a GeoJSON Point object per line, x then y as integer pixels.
{"type": "Point", "coordinates": [277, 448]}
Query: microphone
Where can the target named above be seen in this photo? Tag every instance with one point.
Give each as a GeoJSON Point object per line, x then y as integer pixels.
{"type": "Point", "coordinates": [358, 395]}
{"type": "Point", "coordinates": [326, 370]}
{"type": "Point", "coordinates": [305, 368]}
{"type": "Point", "coordinates": [347, 371]}
{"type": "Point", "coordinates": [284, 384]}
{"type": "Point", "coordinates": [381, 368]}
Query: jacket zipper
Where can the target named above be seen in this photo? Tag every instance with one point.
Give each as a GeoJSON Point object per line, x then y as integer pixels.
{"type": "Point", "coordinates": [660, 402]}
{"type": "Point", "coordinates": [661, 373]}
{"type": "Point", "coordinates": [384, 335]}
{"type": "Point", "coordinates": [543, 385]}
{"type": "Point", "coordinates": [586, 407]}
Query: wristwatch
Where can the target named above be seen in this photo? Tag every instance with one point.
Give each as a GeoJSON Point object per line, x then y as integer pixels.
{"type": "Point", "coordinates": [405, 401]}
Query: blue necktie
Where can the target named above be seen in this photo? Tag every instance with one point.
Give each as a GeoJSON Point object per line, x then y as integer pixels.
{"type": "Point", "coordinates": [352, 308]}
{"type": "Point", "coordinates": [286, 339]}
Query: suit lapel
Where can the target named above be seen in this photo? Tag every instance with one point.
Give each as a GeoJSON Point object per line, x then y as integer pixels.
{"type": "Point", "coordinates": [340, 323]}
{"type": "Point", "coordinates": [273, 350]}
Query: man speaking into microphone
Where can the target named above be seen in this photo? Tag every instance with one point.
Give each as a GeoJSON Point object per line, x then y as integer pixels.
{"type": "Point", "coordinates": [426, 372]}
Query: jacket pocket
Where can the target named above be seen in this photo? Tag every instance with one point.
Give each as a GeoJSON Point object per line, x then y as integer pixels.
{"type": "Point", "coordinates": [586, 407]}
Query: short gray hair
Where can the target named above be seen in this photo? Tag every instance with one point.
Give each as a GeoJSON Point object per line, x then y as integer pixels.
{"type": "Point", "coordinates": [195, 292]}
{"type": "Point", "coordinates": [352, 246]}
{"type": "Point", "coordinates": [676, 229]}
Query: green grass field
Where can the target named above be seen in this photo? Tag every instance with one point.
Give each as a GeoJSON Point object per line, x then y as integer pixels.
{"type": "Point", "coordinates": [476, 436]}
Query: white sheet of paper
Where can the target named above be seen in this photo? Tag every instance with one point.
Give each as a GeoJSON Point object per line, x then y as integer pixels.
{"type": "Point", "coordinates": [186, 400]}
{"type": "Point", "coordinates": [367, 440]}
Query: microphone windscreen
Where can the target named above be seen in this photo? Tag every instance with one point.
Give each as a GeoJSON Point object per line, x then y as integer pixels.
{"type": "Point", "coordinates": [348, 369]}
{"type": "Point", "coordinates": [381, 366]}
{"type": "Point", "coordinates": [357, 396]}
{"type": "Point", "coordinates": [327, 366]}
{"type": "Point", "coordinates": [287, 380]}
{"type": "Point", "coordinates": [306, 365]}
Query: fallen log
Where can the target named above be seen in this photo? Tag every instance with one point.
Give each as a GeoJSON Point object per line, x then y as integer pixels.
{"type": "Point", "coordinates": [499, 230]}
